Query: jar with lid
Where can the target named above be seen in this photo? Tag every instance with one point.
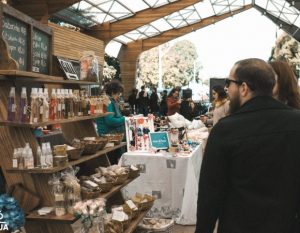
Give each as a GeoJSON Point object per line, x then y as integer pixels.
{"type": "Point", "coordinates": [59, 198]}
{"type": "Point", "coordinates": [89, 66]}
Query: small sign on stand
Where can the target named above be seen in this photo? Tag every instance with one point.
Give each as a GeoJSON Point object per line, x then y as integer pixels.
{"type": "Point", "coordinates": [159, 140]}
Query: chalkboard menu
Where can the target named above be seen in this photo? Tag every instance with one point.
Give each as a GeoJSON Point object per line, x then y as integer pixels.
{"type": "Point", "coordinates": [15, 33]}
{"type": "Point", "coordinates": [40, 51]}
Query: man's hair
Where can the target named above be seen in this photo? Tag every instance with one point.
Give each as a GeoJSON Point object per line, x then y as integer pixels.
{"type": "Point", "coordinates": [257, 74]}
{"type": "Point", "coordinates": [113, 87]}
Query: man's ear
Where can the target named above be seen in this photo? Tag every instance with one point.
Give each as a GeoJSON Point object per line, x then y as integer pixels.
{"type": "Point", "coordinates": [244, 90]}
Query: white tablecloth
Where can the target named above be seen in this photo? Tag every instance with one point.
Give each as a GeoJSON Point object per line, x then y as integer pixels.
{"type": "Point", "coordinates": [173, 180]}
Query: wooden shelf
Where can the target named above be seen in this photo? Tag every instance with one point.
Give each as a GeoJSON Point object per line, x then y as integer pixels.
{"type": "Point", "coordinates": [83, 159]}
{"type": "Point", "coordinates": [135, 222]}
{"type": "Point", "coordinates": [11, 75]}
{"type": "Point", "coordinates": [62, 121]}
{"type": "Point", "coordinates": [69, 218]}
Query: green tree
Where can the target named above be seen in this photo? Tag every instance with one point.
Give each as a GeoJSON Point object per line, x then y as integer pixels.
{"type": "Point", "coordinates": [179, 64]}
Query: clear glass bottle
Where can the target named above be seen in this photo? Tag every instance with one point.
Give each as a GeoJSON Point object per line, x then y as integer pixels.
{"type": "Point", "coordinates": [46, 104]}
{"type": "Point", "coordinates": [23, 115]}
{"type": "Point", "coordinates": [15, 160]}
{"type": "Point", "coordinates": [11, 108]}
{"type": "Point", "coordinates": [41, 105]}
{"type": "Point", "coordinates": [34, 115]}
{"type": "Point", "coordinates": [49, 155]}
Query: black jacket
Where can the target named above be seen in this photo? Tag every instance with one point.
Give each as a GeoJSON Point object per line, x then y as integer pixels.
{"type": "Point", "coordinates": [250, 175]}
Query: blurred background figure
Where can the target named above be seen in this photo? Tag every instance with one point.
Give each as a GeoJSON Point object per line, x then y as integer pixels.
{"type": "Point", "coordinates": [132, 100]}
{"type": "Point", "coordinates": [188, 107]}
{"type": "Point", "coordinates": [220, 105]}
{"type": "Point", "coordinates": [153, 102]}
{"type": "Point", "coordinates": [143, 101]}
{"type": "Point", "coordinates": [286, 89]}
{"type": "Point", "coordinates": [173, 102]}
{"type": "Point", "coordinates": [163, 103]}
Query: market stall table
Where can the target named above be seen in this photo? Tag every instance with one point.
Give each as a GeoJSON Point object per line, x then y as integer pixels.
{"type": "Point", "coordinates": [172, 180]}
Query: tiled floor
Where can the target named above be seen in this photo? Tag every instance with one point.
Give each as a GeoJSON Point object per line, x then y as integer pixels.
{"type": "Point", "coordinates": [184, 229]}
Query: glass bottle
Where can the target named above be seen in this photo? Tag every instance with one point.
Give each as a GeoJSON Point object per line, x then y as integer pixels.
{"type": "Point", "coordinates": [41, 105]}
{"type": "Point", "coordinates": [67, 103]}
{"type": "Point", "coordinates": [34, 115]}
{"type": "Point", "coordinates": [72, 103]}
{"type": "Point", "coordinates": [63, 103]}
{"type": "Point", "coordinates": [11, 108]}
{"type": "Point", "coordinates": [15, 160]}
{"type": "Point", "coordinates": [53, 106]}
{"type": "Point", "coordinates": [46, 104]}
{"type": "Point", "coordinates": [58, 98]}
{"type": "Point", "coordinates": [23, 115]}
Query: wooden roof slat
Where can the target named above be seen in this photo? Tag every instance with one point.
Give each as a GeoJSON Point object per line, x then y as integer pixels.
{"type": "Point", "coordinates": [174, 33]}
{"type": "Point", "coordinates": [108, 31]}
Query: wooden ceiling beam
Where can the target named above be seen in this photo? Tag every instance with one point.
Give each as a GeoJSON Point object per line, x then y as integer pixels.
{"type": "Point", "coordinates": [174, 33]}
{"type": "Point", "coordinates": [108, 31]}
{"type": "Point", "coordinates": [41, 9]}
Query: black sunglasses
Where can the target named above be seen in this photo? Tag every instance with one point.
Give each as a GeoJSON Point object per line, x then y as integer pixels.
{"type": "Point", "coordinates": [228, 81]}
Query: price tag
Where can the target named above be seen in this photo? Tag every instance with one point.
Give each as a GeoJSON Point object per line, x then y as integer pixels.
{"type": "Point", "coordinates": [118, 216]}
{"type": "Point", "coordinates": [131, 204]}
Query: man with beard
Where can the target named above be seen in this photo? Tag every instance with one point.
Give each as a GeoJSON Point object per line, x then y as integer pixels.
{"type": "Point", "coordinates": [250, 175]}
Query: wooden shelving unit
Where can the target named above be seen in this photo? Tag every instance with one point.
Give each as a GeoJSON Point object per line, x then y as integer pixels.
{"type": "Point", "coordinates": [69, 217]}
{"type": "Point", "coordinates": [12, 75]}
{"type": "Point", "coordinates": [83, 159]}
{"type": "Point", "coordinates": [61, 121]}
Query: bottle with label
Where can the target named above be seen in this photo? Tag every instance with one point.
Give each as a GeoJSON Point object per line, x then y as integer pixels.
{"type": "Point", "coordinates": [59, 198]}
{"type": "Point", "coordinates": [11, 108]}
{"type": "Point", "coordinates": [34, 115]}
{"type": "Point", "coordinates": [41, 105]}
{"type": "Point", "coordinates": [59, 102]}
{"type": "Point", "coordinates": [71, 103]}
{"type": "Point", "coordinates": [53, 106]}
{"type": "Point", "coordinates": [67, 103]}
{"type": "Point", "coordinates": [63, 103]}
{"type": "Point", "coordinates": [46, 104]}
{"type": "Point", "coordinates": [23, 115]}
{"type": "Point", "coordinates": [15, 161]}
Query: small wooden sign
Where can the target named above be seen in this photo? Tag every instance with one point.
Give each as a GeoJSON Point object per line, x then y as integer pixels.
{"type": "Point", "coordinates": [159, 140]}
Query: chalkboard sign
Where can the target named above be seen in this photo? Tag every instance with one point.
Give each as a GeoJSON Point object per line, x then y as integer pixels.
{"type": "Point", "coordinates": [40, 51]}
{"type": "Point", "coordinates": [159, 140]}
{"type": "Point", "coordinates": [15, 34]}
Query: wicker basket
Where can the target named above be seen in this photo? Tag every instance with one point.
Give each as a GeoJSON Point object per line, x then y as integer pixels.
{"type": "Point", "coordinates": [115, 138]}
{"type": "Point", "coordinates": [117, 226]}
{"type": "Point", "coordinates": [105, 187]}
{"type": "Point", "coordinates": [91, 147]}
{"type": "Point", "coordinates": [85, 195]}
{"type": "Point", "coordinates": [125, 223]}
{"type": "Point", "coordinates": [120, 179]}
{"type": "Point", "coordinates": [133, 213]}
{"type": "Point", "coordinates": [133, 173]}
{"type": "Point", "coordinates": [166, 229]}
{"type": "Point", "coordinates": [146, 205]}
{"type": "Point", "coordinates": [74, 153]}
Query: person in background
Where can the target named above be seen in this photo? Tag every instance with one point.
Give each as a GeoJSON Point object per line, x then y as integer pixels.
{"type": "Point", "coordinates": [173, 102]}
{"type": "Point", "coordinates": [220, 104]}
{"type": "Point", "coordinates": [132, 100]}
{"type": "Point", "coordinates": [163, 103]}
{"type": "Point", "coordinates": [143, 101]}
{"type": "Point", "coordinates": [250, 176]}
{"type": "Point", "coordinates": [153, 102]}
{"type": "Point", "coordinates": [286, 89]}
{"type": "Point", "coordinates": [114, 123]}
{"type": "Point", "coordinates": [188, 109]}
